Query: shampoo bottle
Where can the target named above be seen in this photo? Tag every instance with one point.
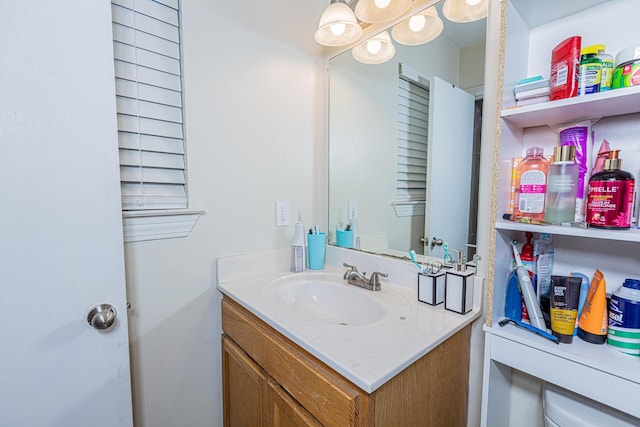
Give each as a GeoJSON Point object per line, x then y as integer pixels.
{"type": "Point", "coordinates": [611, 196]}
{"type": "Point", "coordinates": [531, 185]}
{"type": "Point", "coordinates": [298, 256]}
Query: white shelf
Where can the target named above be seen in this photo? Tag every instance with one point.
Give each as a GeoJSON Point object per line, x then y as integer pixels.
{"type": "Point", "coordinates": [579, 366]}
{"type": "Point", "coordinates": [594, 106]}
{"type": "Point", "coordinates": [631, 235]}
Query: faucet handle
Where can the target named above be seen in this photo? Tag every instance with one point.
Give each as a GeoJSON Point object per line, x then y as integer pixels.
{"type": "Point", "coordinates": [374, 280]}
{"type": "Point", "coordinates": [352, 267]}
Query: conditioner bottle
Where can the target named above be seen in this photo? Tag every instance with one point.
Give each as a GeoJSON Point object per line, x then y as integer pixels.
{"type": "Point", "coordinates": [611, 196]}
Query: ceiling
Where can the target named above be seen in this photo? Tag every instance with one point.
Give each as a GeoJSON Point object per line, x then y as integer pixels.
{"type": "Point", "coordinates": [535, 13]}
{"type": "Point", "coordinates": [463, 35]}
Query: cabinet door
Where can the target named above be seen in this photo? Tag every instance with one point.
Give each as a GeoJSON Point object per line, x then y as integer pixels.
{"type": "Point", "coordinates": [244, 388]}
{"type": "Point", "coordinates": [286, 412]}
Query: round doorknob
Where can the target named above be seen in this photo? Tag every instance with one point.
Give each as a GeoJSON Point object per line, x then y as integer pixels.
{"type": "Point", "coordinates": [435, 242]}
{"type": "Point", "coordinates": [102, 316]}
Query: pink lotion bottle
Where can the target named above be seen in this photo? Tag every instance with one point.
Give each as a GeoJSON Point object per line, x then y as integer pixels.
{"type": "Point", "coordinates": [531, 186]}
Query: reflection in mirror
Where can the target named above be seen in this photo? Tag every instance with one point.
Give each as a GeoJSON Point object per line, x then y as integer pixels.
{"type": "Point", "coordinates": [395, 173]}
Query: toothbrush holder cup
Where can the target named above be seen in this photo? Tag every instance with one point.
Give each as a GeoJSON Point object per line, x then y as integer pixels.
{"type": "Point", "coordinates": [316, 248]}
{"type": "Point", "coordinates": [344, 238]}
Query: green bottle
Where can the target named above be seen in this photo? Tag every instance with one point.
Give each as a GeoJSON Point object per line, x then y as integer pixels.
{"type": "Point", "coordinates": [590, 71]}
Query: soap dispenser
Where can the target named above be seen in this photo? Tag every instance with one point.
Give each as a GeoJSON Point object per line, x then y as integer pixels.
{"type": "Point", "coordinates": [298, 256]}
{"type": "Point", "coordinates": [458, 294]}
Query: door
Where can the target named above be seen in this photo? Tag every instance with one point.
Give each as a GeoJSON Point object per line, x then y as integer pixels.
{"type": "Point", "coordinates": [286, 412]}
{"type": "Point", "coordinates": [451, 115]}
{"type": "Point", "coordinates": [244, 388]}
{"type": "Point", "coordinates": [61, 249]}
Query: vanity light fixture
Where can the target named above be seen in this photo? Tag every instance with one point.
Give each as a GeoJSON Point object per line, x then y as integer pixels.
{"type": "Point", "coordinates": [465, 10]}
{"type": "Point", "coordinates": [376, 50]}
{"type": "Point", "coordinates": [338, 25]}
{"type": "Point", "coordinates": [418, 29]}
{"type": "Point", "coordinates": [376, 11]}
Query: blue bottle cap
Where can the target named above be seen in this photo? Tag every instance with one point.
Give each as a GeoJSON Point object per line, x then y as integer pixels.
{"type": "Point", "coordinates": [632, 284]}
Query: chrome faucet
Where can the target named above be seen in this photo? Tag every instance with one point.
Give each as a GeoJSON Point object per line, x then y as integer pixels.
{"type": "Point", "coordinates": [354, 277]}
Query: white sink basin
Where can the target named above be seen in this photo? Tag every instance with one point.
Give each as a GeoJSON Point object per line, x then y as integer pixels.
{"type": "Point", "coordinates": [327, 298]}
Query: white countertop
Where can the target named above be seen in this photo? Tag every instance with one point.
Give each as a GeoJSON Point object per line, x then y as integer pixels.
{"type": "Point", "coordinates": [367, 355]}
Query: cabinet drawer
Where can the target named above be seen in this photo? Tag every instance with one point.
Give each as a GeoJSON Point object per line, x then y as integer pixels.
{"type": "Point", "coordinates": [330, 399]}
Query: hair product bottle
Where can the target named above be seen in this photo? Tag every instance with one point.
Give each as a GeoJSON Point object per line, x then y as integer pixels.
{"type": "Point", "coordinates": [531, 185]}
{"type": "Point", "coordinates": [560, 201]}
{"type": "Point", "coordinates": [611, 196]}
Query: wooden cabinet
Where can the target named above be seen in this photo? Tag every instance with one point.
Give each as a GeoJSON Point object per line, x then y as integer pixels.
{"type": "Point", "coordinates": [246, 388]}
{"type": "Point", "coordinates": [268, 380]}
{"type": "Point", "coordinates": [594, 371]}
{"type": "Point", "coordinates": [286, 412]}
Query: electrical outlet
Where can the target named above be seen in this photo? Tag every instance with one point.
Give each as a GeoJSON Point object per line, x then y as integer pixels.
{"type": "Point", "coordinates": [282, 213]}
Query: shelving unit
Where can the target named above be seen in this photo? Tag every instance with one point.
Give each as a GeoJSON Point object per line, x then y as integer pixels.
{"type": "Point", "coordinates": [632, 235]}
{"type": "Point", "coordinates": [611, 103]}
{"type": "Point", "coordinates": [595, 371]}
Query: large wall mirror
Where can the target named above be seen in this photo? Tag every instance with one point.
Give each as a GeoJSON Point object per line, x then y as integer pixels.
{"type": "Point", "coordinates": [404, 144]}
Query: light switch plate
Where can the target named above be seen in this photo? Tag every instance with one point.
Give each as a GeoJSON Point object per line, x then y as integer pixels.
{"type": "Point", "coordinates": [282, 213]}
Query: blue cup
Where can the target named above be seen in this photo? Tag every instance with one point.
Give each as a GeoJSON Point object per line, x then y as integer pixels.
{"type": "Point", "coordinates": [316, 247]}
{"type": "Point", "coordinates": [344, 238]}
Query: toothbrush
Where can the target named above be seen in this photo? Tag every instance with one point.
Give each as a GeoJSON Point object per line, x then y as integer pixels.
{"type": "Point", "coordinates": [412, 254]}
{"type": "Point", "coordinates": [526, 287]}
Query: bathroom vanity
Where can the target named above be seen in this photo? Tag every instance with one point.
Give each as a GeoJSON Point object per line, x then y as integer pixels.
{"type": "Point", "coordinates": [407, 364]}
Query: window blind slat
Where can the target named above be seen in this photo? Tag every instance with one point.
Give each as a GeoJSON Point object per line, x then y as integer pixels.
{"type": "Point", "coordinates": [159, 144]}
{"type": "Point", "coordinates": [146, 45]}
{"type": "Point", "coordinates": [149, 126]}
{"type": "Point", "coordinates": [419, 146]}
{"type": "Point", "coordinates": [151, 175]}
{"type": "Point", "coordinates": [128, 71]}
{"type": "Point", "coordinates": [152, 9]}
{"type": "Point", "coordinates": [149, 110]}
{"type": "Point", "coordinates": [128, 18]}
{"type": "Point", "coordinates": [131, 89]}
{"type": "Point", "coordinates": [145, 41]}
{"type": "Point", "coordinates": [151, 159]}
{"type": "Point", "coordinates": [124, 52]}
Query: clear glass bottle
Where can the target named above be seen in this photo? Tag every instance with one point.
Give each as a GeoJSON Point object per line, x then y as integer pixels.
{"type": "Point", "coordinates": [531, 181]}
{"type": "Point", "coordinates": [562, 187]}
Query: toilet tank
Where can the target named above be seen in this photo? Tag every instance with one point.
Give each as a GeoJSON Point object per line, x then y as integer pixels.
{"type": "Point", "coordinates": [563, 408]}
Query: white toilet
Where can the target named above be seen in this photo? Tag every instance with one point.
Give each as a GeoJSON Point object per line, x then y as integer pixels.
{"type": "Point", "coordinates": [563, 408]}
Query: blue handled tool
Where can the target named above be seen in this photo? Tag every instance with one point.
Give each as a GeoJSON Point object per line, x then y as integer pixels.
{"type": "Point", "coordinates": [530, 328]}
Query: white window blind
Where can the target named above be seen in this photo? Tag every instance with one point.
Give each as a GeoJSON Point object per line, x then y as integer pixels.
{"type": "Point", "coordinates": [146, 46]}
{"type": "Point", "coordinates": [413, 127]}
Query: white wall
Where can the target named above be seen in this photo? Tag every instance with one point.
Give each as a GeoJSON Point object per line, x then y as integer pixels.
{"type": "Point", "coordinates": [472, 67]}
{"type": "Point", "coordinates": [253, 104]}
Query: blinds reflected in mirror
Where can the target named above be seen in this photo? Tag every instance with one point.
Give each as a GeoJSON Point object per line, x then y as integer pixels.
{"type": "Point", "coordinates": [413, 128]}
{"type": "Point", "coordinates": [146, 45]}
